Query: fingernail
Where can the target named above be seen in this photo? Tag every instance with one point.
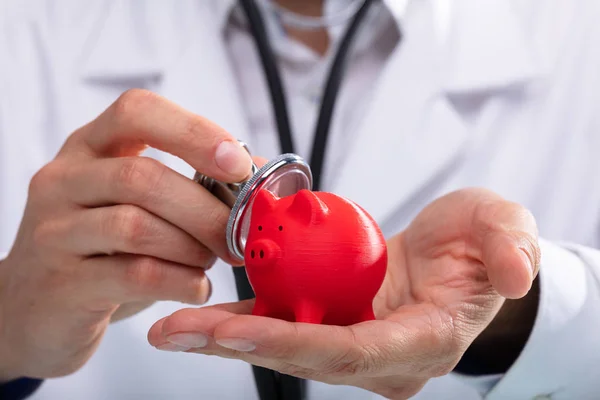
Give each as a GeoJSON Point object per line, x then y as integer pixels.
{"type": "Point", "coordinates": [237, 344]}
{"type": "Point", "coordinates": [189, 340]}
{"type": "Point", "coordinates": [233, 159]}
{"type": "Point", "coordinates": [172, 347]}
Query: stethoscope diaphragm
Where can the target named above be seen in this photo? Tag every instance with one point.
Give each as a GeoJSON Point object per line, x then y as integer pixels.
{"type": "Point", "coordinates": [283, 176]}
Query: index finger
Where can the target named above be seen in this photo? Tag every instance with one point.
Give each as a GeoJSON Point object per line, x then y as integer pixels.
{"type": "Point", "coordinates": [140, 119]}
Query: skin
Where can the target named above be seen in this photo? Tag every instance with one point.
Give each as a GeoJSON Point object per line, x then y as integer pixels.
{"type": "Point", "coordinates": [318, 39]}
{"type": "Point", "coordinates": [448, 275]}
{"type": "Point", "coordinates": [512, 326]}
{"type": "Point", "coordinates": [107, 232]}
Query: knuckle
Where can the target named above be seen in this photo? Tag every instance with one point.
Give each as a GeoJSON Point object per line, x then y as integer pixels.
{"type": "Point", "coordinates": [42, 234]}
{"type": "Point", "coordinates": [45, 179]}
{"type": "Point", "coordinates": [132, 225]}
{"type": "Point", "coordinates": [139, 176]}
{"type": "Point", "coordinates": [191, 134]}
{"type": "Point", "coordinates": [129, 172]}
{"type": "Point", "coordinates": [131, 102]}
{"type": "Point", "coordinates": [501, 215]}
{"type": "Point", "coordinates": [146, 272]}
{"type": "Point", "coordinates": [486, 215]}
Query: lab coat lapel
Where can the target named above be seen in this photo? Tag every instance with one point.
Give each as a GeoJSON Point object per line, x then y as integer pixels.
{"type": "Point", "coordinates": [414, 134]}
{"type": "Point", "coordinates": [187, 63]}
{"type": "Point", "coordinates": [411, 133]}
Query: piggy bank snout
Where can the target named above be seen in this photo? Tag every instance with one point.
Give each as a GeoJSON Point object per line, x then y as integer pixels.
{"type": "Point", "coordinates": [263, 251]}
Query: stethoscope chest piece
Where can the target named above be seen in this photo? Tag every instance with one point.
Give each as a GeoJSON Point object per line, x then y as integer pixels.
{"type": "Point", "coordinates": [282, 176]}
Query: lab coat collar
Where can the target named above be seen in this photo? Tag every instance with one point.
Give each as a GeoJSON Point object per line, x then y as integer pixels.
{"type": "Point", "coordinates": [483, 44]}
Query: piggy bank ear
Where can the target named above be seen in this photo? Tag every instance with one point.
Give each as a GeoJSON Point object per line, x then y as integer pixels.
{"type": "Point", "coordinates": [264, 202]}
{"type": "Point", "coordinates": [308, 207]}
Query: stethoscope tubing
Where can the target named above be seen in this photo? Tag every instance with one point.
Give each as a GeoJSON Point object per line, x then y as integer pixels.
{"type": "Point", "coordinates": [272, 385]}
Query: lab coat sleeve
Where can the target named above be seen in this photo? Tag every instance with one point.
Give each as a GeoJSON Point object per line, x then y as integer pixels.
{"type": "Point", "coordinates": [562, 354]}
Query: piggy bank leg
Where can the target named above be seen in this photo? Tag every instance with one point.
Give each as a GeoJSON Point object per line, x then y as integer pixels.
{"type": "Point", "coordinates": [309, 313]}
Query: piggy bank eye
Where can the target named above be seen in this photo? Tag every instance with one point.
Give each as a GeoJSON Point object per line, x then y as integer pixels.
{"type": "Point", "coordinates": [280, 227]}
{"type": "Point", "coordinates": [260, 227]}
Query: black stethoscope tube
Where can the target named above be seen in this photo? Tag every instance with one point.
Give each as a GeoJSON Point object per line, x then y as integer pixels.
{"type": "Point", "coordinates": [278, 98]}
{"type": "Point", "coordinates": [270, 384]}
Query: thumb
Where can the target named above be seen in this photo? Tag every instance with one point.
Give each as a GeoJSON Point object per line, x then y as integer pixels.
{"type": "Point", "coordinates": [507, 236]}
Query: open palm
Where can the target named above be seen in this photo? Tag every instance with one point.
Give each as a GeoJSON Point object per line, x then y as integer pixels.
{"type": "Point", "coordinates": [447, 277]}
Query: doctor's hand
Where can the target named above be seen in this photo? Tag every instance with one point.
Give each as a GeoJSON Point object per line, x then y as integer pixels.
{"type": "Point", "coordinates": [449, 273]}
{"type": "Point", "coordinates": [106, 232]}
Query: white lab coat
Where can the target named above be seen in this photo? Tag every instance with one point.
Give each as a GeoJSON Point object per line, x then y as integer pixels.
{"type": "Point", "coordinates": [496, 93]}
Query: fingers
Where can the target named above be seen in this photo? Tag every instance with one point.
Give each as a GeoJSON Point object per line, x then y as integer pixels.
{"type": "Point", "coordinates": [509, 268]}
{"type": "Point", "coordinates": [127, 229]}
{"type": "Point", "coordinates": [127, 278]}
{"type": "Point", "coordinates": [262, 341]}
{"type": "Point", "coordinates": [152, 186]}
{"type": "Point", "coordinates": [140, 118]}
{"type": "Point", "coordinates": [166, 346]}
{"type": "Point", "coordinates": [190, 326]}
{"type": "Point", "coordinates": [331, 350]}
{"type": "Point", "coordinates": [506, 233]}
{"type": "Point", "coordinates": [419, 343]}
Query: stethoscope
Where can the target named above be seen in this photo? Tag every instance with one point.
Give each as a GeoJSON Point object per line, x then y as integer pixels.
{"type": "Point", "coordinates": [288, 173]}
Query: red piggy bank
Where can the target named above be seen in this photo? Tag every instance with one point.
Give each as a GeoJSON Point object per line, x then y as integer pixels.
{"type": "Point", "coordinates": [314, 257]}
